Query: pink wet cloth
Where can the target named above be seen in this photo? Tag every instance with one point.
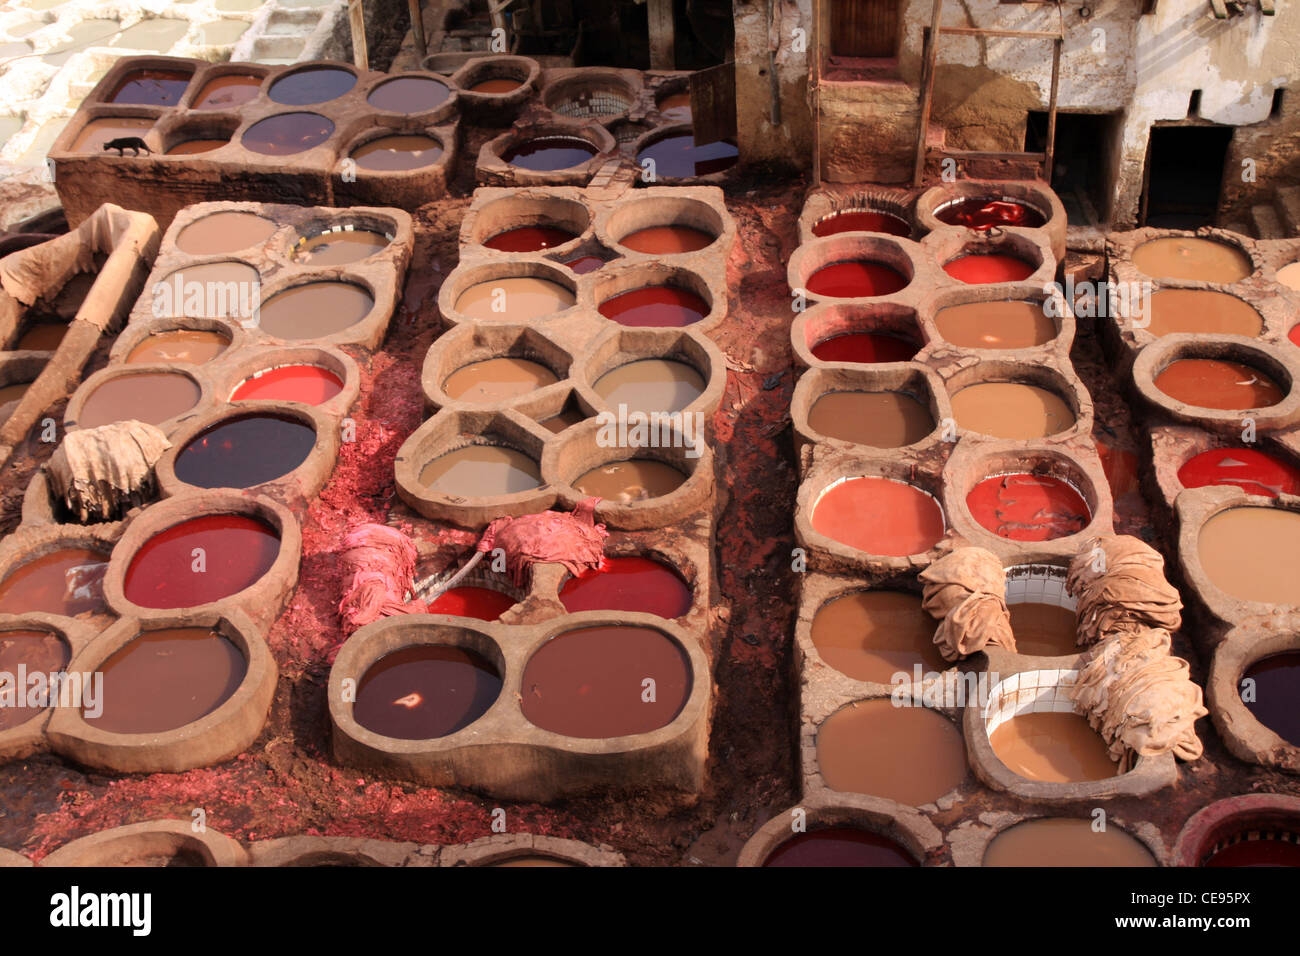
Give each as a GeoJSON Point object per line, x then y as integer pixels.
{"type": "Point", "coordinates": [571, 539]}
{"type": "Point", "coordinates": [379, 567]}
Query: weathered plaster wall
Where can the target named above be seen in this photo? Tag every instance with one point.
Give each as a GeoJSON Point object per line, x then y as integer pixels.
{"type": "Point", "coordinates": [759, 139]}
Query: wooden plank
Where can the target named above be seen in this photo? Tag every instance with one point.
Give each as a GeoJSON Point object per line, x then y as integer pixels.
{"type": "Point", "coordinates": [865, 28]}
{"type": "Point", "coordinates": [713, 103]}
{"type": "Point", "coordinates": [417, 30]}
{"type": "Point", "coordinates": [357, 20]}
{"type": "Point", "coordinates": [991, 154]}
{"type": "Point", "coordinates": [927, 93]}
{"type": "Point", "coordinates": [1017, 34]}
{"type": "Point", "coordinates": [1050, 151]}
{"type": "Point", "coordinates": [663, 55]}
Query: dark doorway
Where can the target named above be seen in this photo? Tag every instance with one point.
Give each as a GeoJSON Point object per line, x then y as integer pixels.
{"type": "Point", "coordinates": [1082, 164]}
{"type": "Point", "coordinates": [865, 28]}
{"type": "Point", "coordinates": [1184, 174]}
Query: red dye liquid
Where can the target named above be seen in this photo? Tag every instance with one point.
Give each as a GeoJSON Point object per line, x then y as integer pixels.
{"type": "Point", "coordinates": [530, 239]}
{"type": "Point", "coordinates": [166, 573]}
{"type": "Point", "coordinates": [309, 384]}
{"type": "Point", "coordinates": [1266, 852]}
{"type": "Point", "coordinates": [628, 584]}
{"type": "Point", "coordinates": [1216, 383]}
{"type": "Point", "coordinates": [1253, 471]}
{"type": "Point", "coordinates": [866, 348]}
{"type": "Point", "coordinates": [1026, 507]}
{"type": "Point", "coordinates": [584, 264]}
{"type": "Point", "coordinates": [840, 846]}
{"type": "Point", "coordinates": [984, 268]}
{"type": "Point", "coordinates": [982, 214]}
{"type": "Point", "coordinates": [1294, 334]}
{"type": "Point", "coordinates": [879, 516]}
{"type": "Point", "coordinates": [660, 306]}
{"type": "Point", "coordinates": [849, 280]}
{"type": "Point", "coordinates": [484, 604]}
{"type": "Point", "coordinates": [862, 221]}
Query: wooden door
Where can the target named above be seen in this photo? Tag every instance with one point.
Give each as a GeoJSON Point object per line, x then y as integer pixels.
{"type": "Point", "coordinates": [866, 28]}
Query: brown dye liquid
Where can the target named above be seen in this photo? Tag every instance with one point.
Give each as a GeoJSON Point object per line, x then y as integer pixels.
{"type": "Point", "coordinates": [318, 84]}
{"type": "Point", "coordinates": [168, 678]}
{"type": "Point", "coordinates": [68, 581]}
{"type": "Point", "coordinates": [425, 692]}
{"type": "Point", "coordinates": [151, 88]}
{"type": "Point", "coordinates": [1198, 310]}
{"type": "Point", "coordinates": [676, 107]}
{"type": "Point", "coordinates": [909, 754]}
{"type": "Point", "coordinates": [520, 298]}
{"type": "Point", "coordinates": [97, 132]}
{"type": "Point", "coordinates": [1011, 410]}
{"type": "Point", "coordinates": [12, 393]}
{"type": "Point", "coordinates": [873, 635]}
{"type": "Point", "coordinates": [1052, 746]}
{"type": "Point", "coordinates": [496, 85]}
{"type": "Point", "coordinates": [1215, 383]}
{"type": "Point", "coordinates": [149, 397]}
{"type": "Point", "coordinates": [497, 379]}
{"type": "Point", "coordinates": [182, 346]}
{"type": "Point", "coordinates": [878, 419]}
{"type": "Point", "coordinates": [409, 94]}
{"type": "Point", "coordinates": [1253, 553]}
{"type": "Point", "coordinates": [339, 247]}
{"type": "Point", "coordinates": [635, 479]}
{"type": "Point", "coordinates": [533, 861]}
{"type": "Point", "coordinates": [227, 92]}
{"type": "Point", "coordinates": [481, 470]}
{"type": "Point", "coordinates": [1044, 630]}
{"type": "Point", "coordinates": [996, 325]}
{"type": "Point", "coordinates": [42, 337]}
{"type": "Point", "coordinates": [651, 385]}
{"type": "Point", "coordinates": [192, 146]}
{"type": "Point", "coordinates": [1186, 257]}
{"type": "Point", "coordinates": [1289, 276]}
{"type": "Point", "coordinates": [667, 240]}
{"type": "Point", "coordinates": [1060, 841]}
{"type": "Point", "coordinates": [398, 153]}
{"type": "Point", "coordinates": [315, 310]}
{"type": "Point", "coordinates": [38, 651]}
{"type": "Point", "coordinates": [224, 232]}
{"type": "Point", "coordinates": [558, 423]}
{"type": "Point", "coordinates": [287, 133]}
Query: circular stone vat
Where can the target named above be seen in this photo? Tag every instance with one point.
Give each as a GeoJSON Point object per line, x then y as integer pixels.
{"type": "Point", "coordinates": [677, 156]}
{"type": "Point", "coordinates": [1204, 312]}
{"type": "Point", "coordinates": [190, 147]}
{"type": "Point", "coordinates": [1218, 383]}
{"type": "Point", "coordinates": [1063, 841]}
{"type": "Point", "coordinates": [477, 471]}
{"type": "Point", "coordinates": [1253, 843]}
{"type": "Point", "coordinates": [245, 450]}
{"type": "Point", "coordinates": [1044, 618]}
{"type": "Point", "coordinates": [97, 132]}
{"type": "Point", "coordinates": [589, 96]}
{"type": "Point", "coordinates": [68, 581]}
{"type": "Point", "coordinates": [484, 604]}
{"type": "Point", "coordinates": [909, 754]}
{"type": "Point", "coordinates": [165, 572]}
{"type": "Point", "coordinates": [675, 107]}
{"type": "Point", "coordinates": [879, 516]}
{"type": "Point", "coordinates": [549, 153]}
{"type": "Point", "coordinates": [1275, 682]}
{"type": "Point", "coordinates": [309, 384]}
{"type": "Point", "coordinates": [1052, 746]}
{"type": "Point", "coordinates": [1187, 257]}
{"type": "Point", "coordinates": [659, 306]}
{"type": "Point", "coordinates": [996, 325]}
{"type": "Point", "coordinates": [1027, 507]}
{"type": "Point", "coordinates": [1254, 472]}
{"type": "Point", "coordinates": [166, 679]}
{"type": "Point", "coordinates": [228, 290]}
{"type": "Point", "coordinates": [588, 682]}
{"type": "Point", "coordinates": [664, 226]}
{"type": "Point", "coordinates": [877, 419]}
{"type": "Point", "coordinates": [982, 213]}
{"type": "Point", "coordinates": [520, 299]}
{"type": "Point", "coordinates": [339, 246]}
{"type": "Point", "coordinates": [38, 652]}
{"type": "Point", "coordinates": [858, 279]}
{"type": "Point", "coordinates": [497, 379]}
{"type": "Point", "coordinates": [875, 635]}
{"type": "Point", "coordinates": [651, 385]}
{"type": "Point", "coordinates": [530, 239]}
{"type": "Point", "coordinates": [285, 134]}
{"type": "Point", "coordinates": [222, 233]}
{"type": "Point", "coordinates": [840, 847]}
{"type": "Point", "coordinates": [426, 692]}
{"type": "Point", "coordinates": [409, 94]}
{"type": "Point", "coordinates": [228, 92]}
{"type": "Point", "coordinates": [149, 397]}
{"type": "Point", "coordinates": [628, 583]}
{"type": "Point", "coordinates": [397, 153]}
{"type": "Point", "coordinates": [1011, 410]}
{"type": "Point", "coordinates": [534, 861]}
{"type": "Point", "coordinates": [529, 223]}
{"type": "Point", "coordinates": [629, 480]}
{"type": "Point", "coordinates": [982, 268]}
{"type": "Point", "coordinates": [315, 310]}
{"type": "Point", "coordinates": [667, 240]}
{"type": "Point", "coordinates": [150, 88]}
{"type": "Point", "coordinates": [861, 220]}
{"type": "Point", "coordinates": [179, 346]}
{"type": "Point", "coordinates": [496, 85]}
{"type": "Point", "coordinates": [312, 85]}
{"type": "Point", "coordinates": [1252, 553]}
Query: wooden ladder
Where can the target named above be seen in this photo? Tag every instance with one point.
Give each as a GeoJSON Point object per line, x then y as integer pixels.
{"type": "Point", "coordinates": [1044, 159]}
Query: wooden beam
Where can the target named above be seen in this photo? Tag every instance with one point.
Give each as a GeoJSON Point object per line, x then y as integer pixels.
{"type": "Point", "coordinates": [1051, 112]}
{"type": "Point", "coordinates": [1018, 34]}
{"type": "Point", "coordinates": [663, 56]}
{"type": "Point", "coordinates": [417, 30]}
{"type": "Point", "coordinates": [927, 95]}
{"type": "Point", "coordinates": [357, 20]}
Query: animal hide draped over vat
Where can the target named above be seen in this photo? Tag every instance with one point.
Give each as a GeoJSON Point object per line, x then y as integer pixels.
{"type": "Point", "coordinates": [102, 473]}
{"type": "Point", "coordinates": [966, 591]}
{"type": "Point", "coordinates": [1119, 582]}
